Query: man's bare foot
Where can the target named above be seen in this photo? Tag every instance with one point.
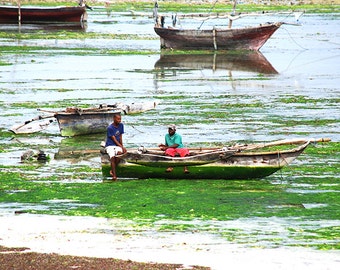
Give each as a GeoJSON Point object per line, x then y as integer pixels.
{"type": "Point", "coordinates": [114, 177]}
{"type": "Point", "coordinates": [170, 169]}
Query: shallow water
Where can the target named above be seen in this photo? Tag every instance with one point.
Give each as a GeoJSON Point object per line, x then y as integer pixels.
{"type": "Point", "coordinates": [311, 73]}
{"type": "Point", "coordinates": [212, 101]}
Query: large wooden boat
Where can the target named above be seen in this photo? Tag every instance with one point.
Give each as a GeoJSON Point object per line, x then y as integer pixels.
{"type": "Point", "coordinates": [236, 162]}
{"type": "Point", "coordinates": [25, 14]}
{"type": "Point", "coordinates": [250, 38]}
{"type": "Point", "coordinates": [216, 38]}
{"type": "Point", "coordinates": [74, 121]}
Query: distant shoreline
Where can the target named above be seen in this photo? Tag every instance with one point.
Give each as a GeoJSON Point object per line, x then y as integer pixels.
{"type": "Point", "coordinates": [197, 6]}
{"type": "Point", "coordinates": [286, 3]}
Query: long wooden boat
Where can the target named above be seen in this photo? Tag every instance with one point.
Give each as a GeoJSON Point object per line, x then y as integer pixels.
{"type": "Point", "coordinates": [10, 14]}
{"type": "Point", "coordinates": [250, 38]}
{"type": "Point", "coordinates": [76, 121]}
{"type": "Point", "coordinates": [250, 61]}
{"type": "Point", "coordinates": [236, 162]}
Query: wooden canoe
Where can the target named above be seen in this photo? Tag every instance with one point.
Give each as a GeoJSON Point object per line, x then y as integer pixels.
{"type": "Point", "coordinates": [32, 126]}
{"type": "Point", "coordinates": [9, 14]}
{"type": "Point", "coordinates": [225, 163]}
{"type": "Point", "coordinates": [76, 121]}
{"type": "Point", "coordinates": [249, 38]}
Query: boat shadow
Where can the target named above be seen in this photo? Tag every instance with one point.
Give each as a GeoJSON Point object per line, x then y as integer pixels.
{"type": "Point", "coordinates": [248, 61]}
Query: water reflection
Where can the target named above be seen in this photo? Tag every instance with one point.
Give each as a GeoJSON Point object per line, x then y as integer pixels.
{"type": "Point", "coordinates": [245, 61]}
{"type": "Point", "coordinates": [79, 148]}
{"type": "Point", "coordinates": [48, 27]}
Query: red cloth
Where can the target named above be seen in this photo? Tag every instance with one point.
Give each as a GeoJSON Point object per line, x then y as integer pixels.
{"type": "Point", "coordinates": [173, 151]}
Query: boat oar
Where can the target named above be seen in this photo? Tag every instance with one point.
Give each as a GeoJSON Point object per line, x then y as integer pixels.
{"type": "Point", "coordinates": [33, 125]}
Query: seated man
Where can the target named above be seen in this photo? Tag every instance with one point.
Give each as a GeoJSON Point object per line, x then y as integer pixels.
{"type": "Point", "coordinates": [114, 143]}
{"type": "Point", "coordinates": [173, 146]}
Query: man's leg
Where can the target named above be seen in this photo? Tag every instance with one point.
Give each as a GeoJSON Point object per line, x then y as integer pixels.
{"type": "Point", "coordinates": [183, 152]}
{"type": "Point", "coordinates": [113, 168]}
{"type": "Point", "coordinates": [170, 152]}
{"type": "Point", "coordinates": [113, 151]}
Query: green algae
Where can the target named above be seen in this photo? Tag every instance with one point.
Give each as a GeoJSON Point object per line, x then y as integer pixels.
{"type": "Point", "coordinates": [66, 35]}
{"type": "Point", "coordinates": [52, 51]}
{"type": "Point", "coordinates": [306, 191]}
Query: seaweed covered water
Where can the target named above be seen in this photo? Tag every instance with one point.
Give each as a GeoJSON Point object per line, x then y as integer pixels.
{"type": "Point", "coordinates": [289, 90]}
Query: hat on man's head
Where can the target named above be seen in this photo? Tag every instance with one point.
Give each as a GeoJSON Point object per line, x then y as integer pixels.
{"type": "Point", "coordinates": [172, 126]}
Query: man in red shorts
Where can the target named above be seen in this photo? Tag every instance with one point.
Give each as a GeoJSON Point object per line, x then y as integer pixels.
{"type": "Point", "coordinates": [173, 146]}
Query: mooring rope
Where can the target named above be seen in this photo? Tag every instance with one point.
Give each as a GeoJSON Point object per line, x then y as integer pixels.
{"type": "Point", "coordinates": [294, 40]}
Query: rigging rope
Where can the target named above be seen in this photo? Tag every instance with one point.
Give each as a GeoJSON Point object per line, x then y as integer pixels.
{"type": "Point", "coordinates": [208, 13]}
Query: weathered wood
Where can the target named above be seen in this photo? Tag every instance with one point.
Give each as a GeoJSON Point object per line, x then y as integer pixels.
{"type": "Point", "coordinates": [277, 143]}
{"type": "Point", "coordinates": [75, 121]}
{"type": "Point", "coordinates": [250, 38]}
{"type": "Point", "coordinates": [32, 126]}
{"type": "Point", "coordinates": [42, 14]}
{"type": "Point", "coordinates": [202, 164]}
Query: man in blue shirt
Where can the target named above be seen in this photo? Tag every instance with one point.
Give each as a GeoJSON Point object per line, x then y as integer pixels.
{"type": "Point", "coordinates": [114, 142]}
{"type": "Point", "coordinates": [173, 146]}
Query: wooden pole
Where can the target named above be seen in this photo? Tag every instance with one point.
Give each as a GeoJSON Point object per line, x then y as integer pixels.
{"type": "Point", "coordinates": [19, 12]}
{"type": "Point", "coordinates": [232, 14]}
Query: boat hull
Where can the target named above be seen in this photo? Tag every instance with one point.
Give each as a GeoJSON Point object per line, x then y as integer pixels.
{"type": "Point", "coordinates": [196, 172]}
{"type": "Point", "coordinates": [9, 14]}
{"type": "Point", "coordinates": [225, 165]}
{"type": "Point", "coordinates": [76, 121]}
{"type": "Point", "coordinates": [251, 38]}
{"type": "Point", "coordinates": [71, 124]}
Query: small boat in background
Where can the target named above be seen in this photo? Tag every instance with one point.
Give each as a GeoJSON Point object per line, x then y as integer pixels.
{"type": "Point", "coordinates": [25, 14]}
{"type": "Point", "coordinates": [74, 121]}
{"type": "Point", "coordinates": [250, 38]}
{"type": "Point", "coordinates": [253, 161]}
{"type": "Point", "coordinates": [217, 38]}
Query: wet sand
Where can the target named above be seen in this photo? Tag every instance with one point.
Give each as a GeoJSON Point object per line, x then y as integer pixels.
{"type": "Point", "coordinates": [20, 258]}
{"type": "Point", "coordinates": [102, 241]}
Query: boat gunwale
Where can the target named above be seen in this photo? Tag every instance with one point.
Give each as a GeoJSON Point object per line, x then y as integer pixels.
{"type": "Point", "coordinates": [234, 153]}
{"type": "Point", "coordinates": [219, 29]}
{"type": "Point", "coordinates": [85, 112]}
{"type": "Point", "coordinates": [26, 8]}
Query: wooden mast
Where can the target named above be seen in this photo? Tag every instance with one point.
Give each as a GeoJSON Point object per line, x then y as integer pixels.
{"type": "Point", "coordinates": [19, 12]}
{"type": "Point", "coordinates": [232, 14]}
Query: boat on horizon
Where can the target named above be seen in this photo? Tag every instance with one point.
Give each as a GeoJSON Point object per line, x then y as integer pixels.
{"type": "Point", "coordinates": [34, 14]}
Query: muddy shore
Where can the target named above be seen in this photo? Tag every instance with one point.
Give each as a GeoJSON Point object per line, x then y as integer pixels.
{"type": "Point", "coordinates": [22, 258]}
